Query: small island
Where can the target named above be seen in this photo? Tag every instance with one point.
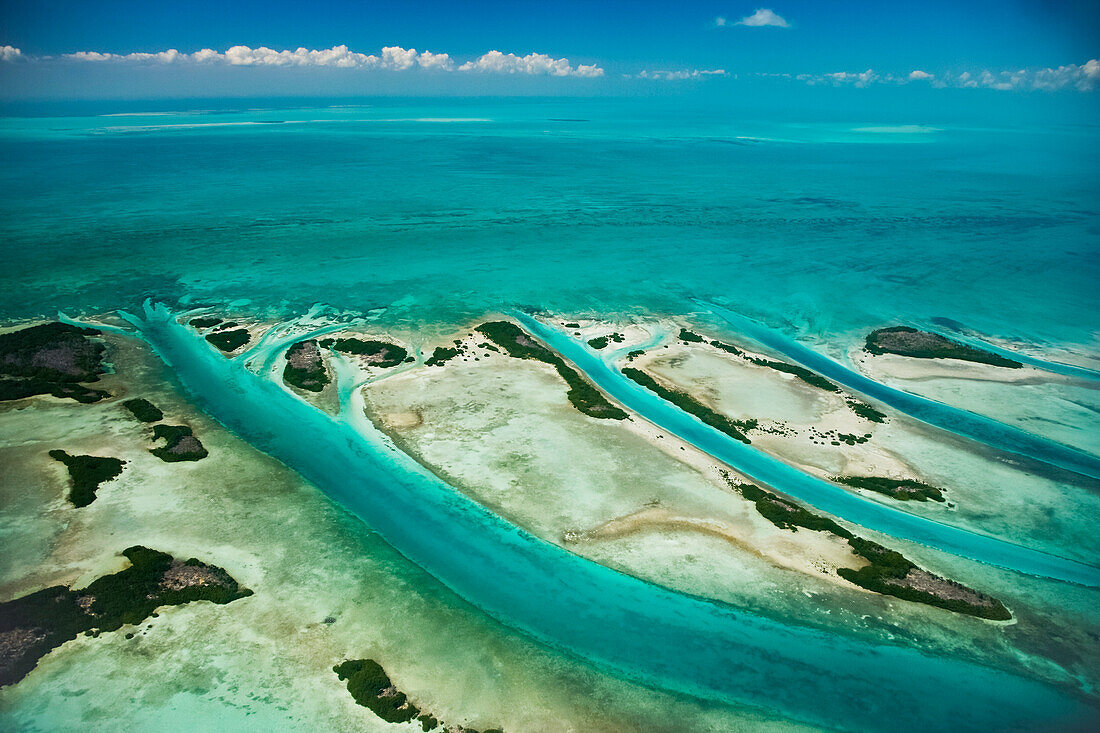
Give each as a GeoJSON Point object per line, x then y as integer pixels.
{"type": "Point", "coordinates": [229, 340]}
{"type": "Point", "coordinates": [377, 353]}
{"type": "Point", "coordinates": [86, 474]}
{"type": "Point", "coordinates": [887, 572]}
{"type": "Point", "coordinates": [908, 341]}
{"type": "Point", "coordinates": [305, 369]}
{"type": "Point", "coordinates": [180, 444]}
{"type": "Point", "coordinates": [903, 489]}
{"type": "Point", "coordinates": [51, 358]}
{"type": "Point", "coordinates": [371, 687]}
{"type": "Point", "coordinates": [34, 625]}
{"type": "Point", "coordinates": [143, 410]}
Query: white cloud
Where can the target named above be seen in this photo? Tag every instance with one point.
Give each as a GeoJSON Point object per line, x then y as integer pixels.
{"type": "Point", "coordinates": [429, 60]}
{"type": "Point", "coordinates": [678, 75]}
{"type": "Point", "coordinates": [10, 53]}
{"type": "Point", "coordinates": [721, 22]}
{"type": "Point", "coordinates": [764, 17]}
{"type": "Point", "coordinates": [532, 63]}
{"type": "Point", "coordinates": [1084, 77]}
{"type": "Point", "coordinates": [392, 58]}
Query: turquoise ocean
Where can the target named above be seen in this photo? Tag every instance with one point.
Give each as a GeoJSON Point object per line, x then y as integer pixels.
{"type": "Point", "coordinates": [440, 211]}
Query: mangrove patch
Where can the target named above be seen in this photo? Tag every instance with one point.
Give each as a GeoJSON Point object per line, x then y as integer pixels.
{"type": "Point", "coordinates": [51, 358]}
{"type": "Point", "coordinates": [903, 489]}
{"type": "Point", "coordinates": [377, 353]}
{"type": "Point", "coordinates": [371, 687]}
{"type": "Point", "coordinates": [734, 428]}
{"type": "Point", "coordinates": [35, 624]}
{"type": "Point", "coordinates": [518, 344]}
{"type": "Point", "coordinates": [305, 369]}
{"type": "Point", "coordinates": [180, 444]}
{"type": "Point", "coordinates": [888, 572]}
{"type": "Point", "coordinates": [143, 410]}
{"type": "Point", "coordinates": [230, 340]}
{"type": "Point", "coordinates": [86, 473]}
{"type": "Point", "coordinates": [601, 342]}
{"type": "Point", "coordinates": [204, 322]}
{"type": "Point", "coordinates": [908, 341]}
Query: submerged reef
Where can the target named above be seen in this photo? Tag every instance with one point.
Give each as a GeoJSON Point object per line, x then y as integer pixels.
{"type": "Point", "coordinates": [305, 368]}
{"type": "Point", "coordinates": [32, 626]}
{"type": "Point", "coordinates": [143, 410]}
{"type": "Point", "coordinates": [51, 358]}
{"type": "Point", "coordinates": [888, 572]}
{"type": "Point", "coordinates": [180, 444]}
{"type": "Point", "coordinates": [378, 353]}
{"type": "Point", "coordinates": [87, 473]}
{"type": "Point", "coordinates": [904, 489]}
{"type": "Point", "coordinates": [370, 686]}
{"type": "Point", "coordinates": [908, 341]}
{"type": "Point", "coordinates": [518, 344]}
{"type": "Point", "coordinates": [230, 340]}
{"type": "Point", "coordinates": [734, 428]}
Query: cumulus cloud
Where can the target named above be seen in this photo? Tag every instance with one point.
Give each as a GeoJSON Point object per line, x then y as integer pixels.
{"type": "Point", "coordinates": [1084, 77]}
{"type": "Point", "coordinates": [678, 75]}
{"type": "Point", "coordinates": [764, 17]}
{"type": "Point", "coordinates": [10, 53]}
{"type": "Point", "coordinates": [533, 63]}
{"type": "Point", "coordinates": [721, 22]}
{"type": "Point", "coordinates": [392, 58]}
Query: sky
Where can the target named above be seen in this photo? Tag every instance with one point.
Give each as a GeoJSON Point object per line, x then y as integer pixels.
{"type": "Point", "coordinates": [109, 49]}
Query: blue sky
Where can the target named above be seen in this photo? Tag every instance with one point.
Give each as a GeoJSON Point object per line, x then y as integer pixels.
{"type": "Point", "coordinates": [585, 48]}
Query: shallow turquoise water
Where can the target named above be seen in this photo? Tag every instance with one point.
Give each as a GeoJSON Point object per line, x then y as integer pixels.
{"type": "Point", "coordinates": [668, 639]}
{"type": "Point", "coordinates": [449, 208]}
{"type": "Point", "coordinates": [441, 211]}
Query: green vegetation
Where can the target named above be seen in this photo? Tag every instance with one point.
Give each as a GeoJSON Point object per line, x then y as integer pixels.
{"type": "Point", "coordinates": [50, 358]}
{"type": "Point", "coordinates": [634, 354]}
{"type": "Point", "coordinates": [809, 377]}
{"type": "Point", "coordinates": [889, 572]}
{"type": "Point", "coordinates": [686, 335]}
{"type": "Point", "coordinates": [371, 687]}
{"type": "Point", "coordinates": [862, 409]}
{"type": "Point", "coordinates": [518, 344]}
{"type": "Point", "coordinates": [727, 347]}
{"type": "Point", "coordinates": [908, 341]}
{"type": "Point", "coordinates": [204, 322]}
{"type": "Point", "coordinates": [229, 340]}
{"type": "Point", "coordinates": [903, 489]}
{"type": "Point", "coordinates": [601, 342]}
{"type": "Point", "coordinates": [383, 354]}
{"type": "Point", "coordinates": [35, 624]}
{"type": "Point", "coordinates": [442, 355]}
{"type": "Point", "coordinates": [369, 684]}
{"type": "Point", "coordinates": [305, 369]}
{"type": "Point", "coordinates": [143, 410]}
{"type": "Point", "coordinates": [180, 444]}
{"type": "Point", "coordinates": [788, 515]}
{"type": "Point", "coordinates": [892, 574]}
{"type": "Point", "coordinates": [733, 428]}
{"type": "Point", "coordinates": [87, 473]}
{"type": "Point", "coordinates": [572, 325]}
